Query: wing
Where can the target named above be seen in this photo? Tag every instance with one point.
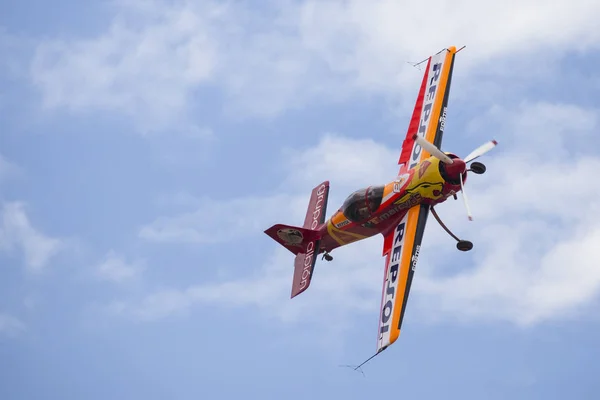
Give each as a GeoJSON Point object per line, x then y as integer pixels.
{"type": "Point", "coordinates": [403, 245]}
{"type": "Point", "coordinates": [429, 115]}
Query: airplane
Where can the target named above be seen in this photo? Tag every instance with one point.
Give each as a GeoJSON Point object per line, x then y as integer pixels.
{"type": "Point", "coordinates": [397, 210]}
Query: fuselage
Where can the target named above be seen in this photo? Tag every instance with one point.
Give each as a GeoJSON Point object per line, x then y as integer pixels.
{"type": "Point", "coordinates": [377, 209]}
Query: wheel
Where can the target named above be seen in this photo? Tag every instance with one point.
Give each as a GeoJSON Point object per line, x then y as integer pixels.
{"type": "Point", "coordinates": [477, 168]}
{"type": "Point", "coordinates": [464, 245]}
{"type": "Point", "coordinates": [327, 257]}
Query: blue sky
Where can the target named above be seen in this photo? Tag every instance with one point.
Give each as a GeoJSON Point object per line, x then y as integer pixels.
{"type": "Point", "coordinates": [146, 145]}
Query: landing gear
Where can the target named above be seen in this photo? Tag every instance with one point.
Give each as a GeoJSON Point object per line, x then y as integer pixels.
{"type": "Point", "coordinates": [477, 168]}
{"type": "Point", "coordinates": [462, 245]}
{"type": "Point", "coordinates": [327, 257]}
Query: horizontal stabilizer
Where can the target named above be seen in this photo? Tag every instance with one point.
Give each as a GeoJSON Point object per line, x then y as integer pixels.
{"type": "Point", "coordinates": [304, 264]}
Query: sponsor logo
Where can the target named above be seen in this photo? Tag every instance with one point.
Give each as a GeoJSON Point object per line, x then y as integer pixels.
{"type": "Point", "coordinates": [318, 207]}
{"type": "Point", "coordinates": [308, 261]}
{"type": "Point", "coordinates": [290, 236]}
{"type": "Point", "coordinates": [432, 85]}
{"type": "Point", "coordinates": [398, 183]}
{"type": "Point", "coordinates": [415, 257]}
{"type": "Point", "coordinates": [310, 248]}
{"type": "Point", "coordinates": [342, 224]}
{"type": "Point", "coordinates": [423, 168]}
{"type": "Point", "coordinates": [413, 200]}
{"type": "Point", "coordinates": [428, 190]}
{"type": "Point", "coordinates": [443, 120]}
{"type": "Point", "coordinates": [392, 280]}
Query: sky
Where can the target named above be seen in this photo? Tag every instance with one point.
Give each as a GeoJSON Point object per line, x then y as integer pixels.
{"type": "Point", "coordinates": [146, 145]}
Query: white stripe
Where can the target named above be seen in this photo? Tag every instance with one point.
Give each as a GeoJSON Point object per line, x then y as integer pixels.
{"type": "Point", "coordinates": [389, 296]}
{"type": "Point", "coordinates": [428, 100]}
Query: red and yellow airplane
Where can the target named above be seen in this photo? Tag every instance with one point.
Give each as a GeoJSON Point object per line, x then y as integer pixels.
{"type": "Point", "coordinates": [397, 210]}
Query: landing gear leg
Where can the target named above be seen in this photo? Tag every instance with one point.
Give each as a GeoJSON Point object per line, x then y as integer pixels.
{"type": "Point", "coordinates": [327, 257]}
{"type": "Point", "coordinates": [462, 245]}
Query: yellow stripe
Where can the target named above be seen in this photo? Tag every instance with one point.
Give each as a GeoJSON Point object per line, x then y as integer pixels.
{"type": "Point", "coordinates": [356, 235]}
{"type": "Point", "coordinates": [411, 229]}
{"type": "Point", "coordinates": [330, 229]}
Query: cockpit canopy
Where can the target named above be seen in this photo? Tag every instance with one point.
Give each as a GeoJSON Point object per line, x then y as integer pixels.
{"type": "Point", "coordinates": [361, 204]}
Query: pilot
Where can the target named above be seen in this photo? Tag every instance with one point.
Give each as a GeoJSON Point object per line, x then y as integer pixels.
{"type": "Point", "coordinates": [362, 212]}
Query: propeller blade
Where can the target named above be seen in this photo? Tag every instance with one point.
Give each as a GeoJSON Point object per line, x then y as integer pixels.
{"type": "Point", "coordinates": [481, 150]}
{"type": "Point", "coordinates": [465, 200]}
{"type": "Point", "coordinates": [431, 149]}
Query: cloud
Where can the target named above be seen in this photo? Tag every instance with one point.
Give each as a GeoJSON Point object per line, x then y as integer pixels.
{"type": "Point", "coordinates": [7, 169]}
{"type": "Point", "coordinates": [215, 221]}
{"type": "Point", "coordinates": [10, 326]}
{"type": "Point", "coordinates": [515, 284]}
{"type": "Point", "coordinates": [370, 39]}
{"type": "Point", "coordinates": [115, 268]}
{"type": "Point", "coordinates": [536, 228]}
{"type": "Point", "coordinates": [16, 231]}
{"type": "Point", "coordinates": [351, 284]}
{"type": "Point", "coordinates": [146, 64]}
{"type": "Point", "coordinates": [14, 51]}
{"type": "Point", "coordinates": [157, 58]}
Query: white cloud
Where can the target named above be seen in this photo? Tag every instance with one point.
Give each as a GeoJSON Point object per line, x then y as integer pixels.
{"type": "Point", "coordinates": [16, 231]}
{"type": "Point", "coordinates": [155, 55]}
{"type": "Point", "coordinates": [13, 62]}
{"type": "Point", "coordinates": [541, 127]}
{"type": "Point", "coordinates": [10, 326]}
{"type": "Point", "coordinates": [350, 284]}
{"type": "Point", "coordinates": [145, 65]}
{"type": "Point", "coordinates": [347, 163]}
{"type": "Point", "coordinates": [371, 39]}
{"type": "Point", "coordinates": [7, 169]}
{"type": "Point", "coordinates": [535, 235]}
{"type": "Point", "coordinates": [525, 273]}
{"type": "Point", "coordinates": [215, 221]}
{"type": "Point", "coordinates": [116, 269]}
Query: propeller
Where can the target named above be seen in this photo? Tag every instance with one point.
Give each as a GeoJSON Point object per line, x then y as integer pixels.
{"type": "Point", "coordinates": [481, 150]}
{"type": "Point", "coordinates": [464, 196]}
{"type": "Point", "coordinates": [437, 153]}
{"type": "Point", "coordinates": [432, 149]}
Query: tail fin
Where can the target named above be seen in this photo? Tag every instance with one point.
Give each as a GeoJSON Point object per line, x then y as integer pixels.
{"type": "Point", "coordinates": [304, 242]}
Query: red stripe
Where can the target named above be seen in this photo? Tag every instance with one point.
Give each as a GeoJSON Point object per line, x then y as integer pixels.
{"type": "Point", "coordinates": [413, 126]}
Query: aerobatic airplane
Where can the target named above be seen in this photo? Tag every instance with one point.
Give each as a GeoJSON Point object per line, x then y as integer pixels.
{"type": "Point", "coordinates": [398, 210]}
